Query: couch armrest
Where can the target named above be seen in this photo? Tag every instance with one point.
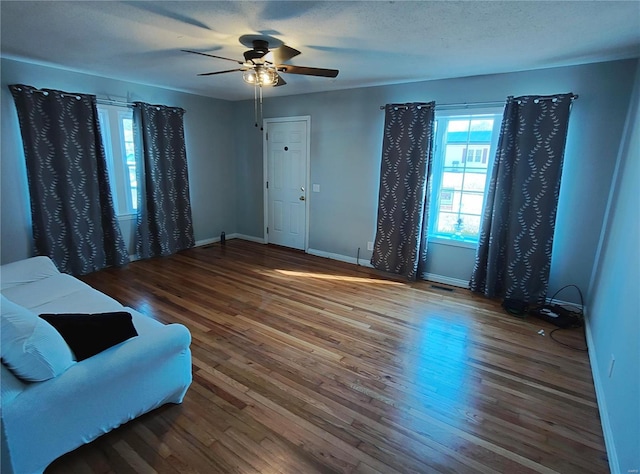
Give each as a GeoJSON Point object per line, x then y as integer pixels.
{"type": "Point", "coordinates": [109, 366]}
{"type": "Point", "coordinates": [10, 385]}
{"type": "Point", "coordinates": [138, 352]}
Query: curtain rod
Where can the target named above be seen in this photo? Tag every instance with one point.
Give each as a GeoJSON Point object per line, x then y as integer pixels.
{"type": "Point", "coordinates": [480, 104]}
{"type": "Point", "coordinates": [119, 103]}
{"type": "Point", "coordinates": [462, 104]}
{"type": "Point", "coordinates": [98, 100]}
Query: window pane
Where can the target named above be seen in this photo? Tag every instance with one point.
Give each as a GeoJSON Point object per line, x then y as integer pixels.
{"type": "Point", "coordinates": [475, 180]}
{"type": "Point", "coordinates": [130, 159]}
{"type": "Point", "coordinates": [470, 227]}
{"type": "Point", "coordinates": [452, 179]}
{"type": "Point", "coordinates": [471, 203]}
{"type": "Point", "coordinates": [447, 222]}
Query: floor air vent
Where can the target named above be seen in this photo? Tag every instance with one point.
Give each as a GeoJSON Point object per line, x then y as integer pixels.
{"type": "Point", "coordinates": [442, 288]}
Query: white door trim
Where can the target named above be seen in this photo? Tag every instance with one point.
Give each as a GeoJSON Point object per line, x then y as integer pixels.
{"type": "Point", "coordinates": [265, 172]}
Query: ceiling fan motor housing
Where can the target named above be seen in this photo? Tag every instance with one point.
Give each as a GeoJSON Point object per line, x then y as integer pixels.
{"type": "Point", "coordinates": [260, 49]}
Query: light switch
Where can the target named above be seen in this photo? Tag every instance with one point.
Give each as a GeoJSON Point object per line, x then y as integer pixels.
{"type": "Point", "coordinates": [316, 188]}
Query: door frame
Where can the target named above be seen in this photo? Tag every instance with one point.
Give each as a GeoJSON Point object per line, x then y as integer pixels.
{"type": "Point", "coordinates": [265, 172]}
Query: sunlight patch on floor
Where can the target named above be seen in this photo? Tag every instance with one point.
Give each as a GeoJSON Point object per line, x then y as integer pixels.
{"type": "Point", "coordinates": [344, 278]}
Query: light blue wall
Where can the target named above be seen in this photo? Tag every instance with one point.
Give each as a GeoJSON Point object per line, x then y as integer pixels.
{"type": "Point", "coordinates": [614, 306]}
{"type": "Point", "coordinates": [346, 142]}
{"type": "Point", "coordinates": [208, 136]}
{"type": "Point", "coordinates": [225, 158]}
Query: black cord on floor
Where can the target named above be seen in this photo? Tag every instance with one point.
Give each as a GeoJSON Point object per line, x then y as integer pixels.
{"type": "Point", "coordinates": [585, 349]}
{"type": "Point", "coordinates": [580, 314]}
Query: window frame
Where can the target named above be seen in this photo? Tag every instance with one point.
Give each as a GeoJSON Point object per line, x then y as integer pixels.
{"type": "Point", "coordinates": [437, 172]}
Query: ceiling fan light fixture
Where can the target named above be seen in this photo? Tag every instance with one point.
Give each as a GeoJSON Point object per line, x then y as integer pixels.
{"type": "Point", "coordinates": [261, 76]}
{"type": "Point", "coordinates": [249, 76]}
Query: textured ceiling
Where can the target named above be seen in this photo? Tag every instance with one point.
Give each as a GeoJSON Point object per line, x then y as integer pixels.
{"type": "Point", "coordinates": [371, 43]}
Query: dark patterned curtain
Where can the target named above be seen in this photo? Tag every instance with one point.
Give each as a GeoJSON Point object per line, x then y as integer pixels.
{"type": "Point", "coordinates": [401, 244]}
{"type": "Point", "coordinates": [516, 236]}
{"type": "Point", "coordinates": [73, 216]}
{"type": "Point", "coordinates": [164, 224]}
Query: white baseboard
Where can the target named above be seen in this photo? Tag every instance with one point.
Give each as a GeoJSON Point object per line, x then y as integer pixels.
{"type": "Point", "coordinates": [339, 257]}
{"type": "Point", "coordinates": [366, 263]}
{"type": "Point", "coordinates": [250, 238]}
{"type": "Point", "coordinates": [610, 446]}
{"type": "Point", "coordinates": [447, 280]}
{"type": "Point", "coordinates": [200, 243]}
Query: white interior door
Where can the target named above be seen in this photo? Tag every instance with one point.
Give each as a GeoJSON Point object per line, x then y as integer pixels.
{"type": "Point", "coordinates": [287, 156]}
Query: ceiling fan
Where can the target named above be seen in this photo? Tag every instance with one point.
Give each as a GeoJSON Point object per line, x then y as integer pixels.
{"type": "Point", "coordinates": [262, 66]}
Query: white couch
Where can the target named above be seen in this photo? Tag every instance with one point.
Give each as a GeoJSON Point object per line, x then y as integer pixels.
{"type": "Point", "coordinates": [46, 419]}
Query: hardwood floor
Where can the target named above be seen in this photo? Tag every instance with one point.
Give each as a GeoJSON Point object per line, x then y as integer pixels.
{"type": "Point", "coordinates": [307, 365]}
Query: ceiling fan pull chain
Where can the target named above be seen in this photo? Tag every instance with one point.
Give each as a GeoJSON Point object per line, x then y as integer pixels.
{"type": "Point", "coordinates": [255, 102]}
{"type": "Point", "coordinates": [260, 107]}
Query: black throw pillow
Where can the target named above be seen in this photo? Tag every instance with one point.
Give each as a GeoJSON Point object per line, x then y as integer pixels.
{"type": "Point", "coordinates": [90, 334]}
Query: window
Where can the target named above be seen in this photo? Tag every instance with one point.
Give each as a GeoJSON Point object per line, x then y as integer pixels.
{"type": "Point", "coordinates": [463, 154]}
{"type": "Point", "coordinates": [116, 126]}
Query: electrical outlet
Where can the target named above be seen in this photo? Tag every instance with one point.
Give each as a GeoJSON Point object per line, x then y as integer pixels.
{"type": "Point", "coordinates": [369, 245]}
{"type": "Point", "coordinates": [611, 364]}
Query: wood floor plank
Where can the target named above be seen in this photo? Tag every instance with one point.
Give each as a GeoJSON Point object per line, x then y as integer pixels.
{"type": "Point", "coordinates": [307, 365]}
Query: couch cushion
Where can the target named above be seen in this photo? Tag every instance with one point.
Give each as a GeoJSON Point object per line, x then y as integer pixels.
{"type": "Point", "coordinates": [61, 293]}
{"type": "Point", "coordinates": [90, 334]}
{"type": "Point", "coordinates": [31, 347]}
{"type": "Point", "coordinates": [26, 271]}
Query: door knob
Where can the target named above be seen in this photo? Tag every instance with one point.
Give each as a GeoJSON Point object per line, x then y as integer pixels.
{"type": "Point", "coordinates": [301, 198]}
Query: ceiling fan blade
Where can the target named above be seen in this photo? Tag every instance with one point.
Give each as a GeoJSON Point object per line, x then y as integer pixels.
{"type": "Point", "coordinates": [284, 53]}
{"type": "Point", "coordinates": [281, 82]}
{"type": "Point", "coordinates": [220, 72]}
{"type": "Point", "coordinates": [211, 56]}
{"type": "Point", "coordinates": [307, 71]}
